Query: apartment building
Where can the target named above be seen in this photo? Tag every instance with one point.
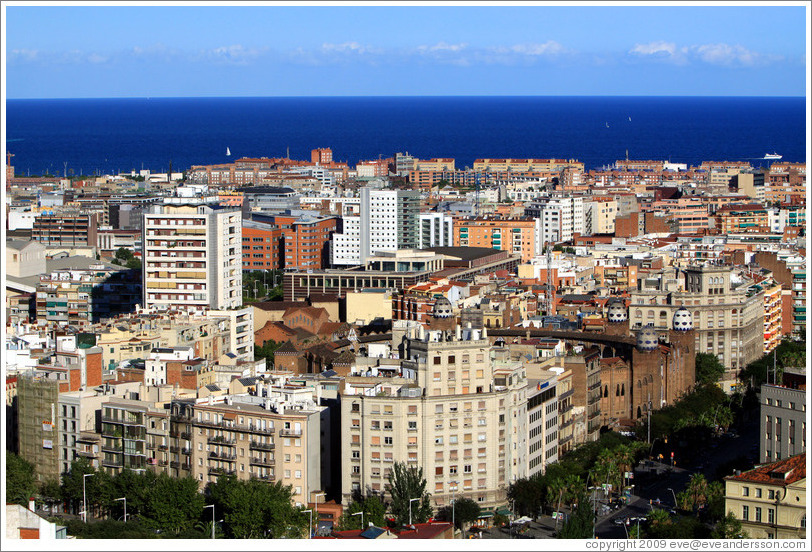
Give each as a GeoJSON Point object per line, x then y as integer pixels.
{"type": "Point", "coordinates": [770, 500]}
{"type": "Point", "coordinates": [261, 246]}
{"type": "Point", "coordinates": [599, 216]}
{"type": "Point", "coordinates": [783, 422]}
{"type": "Point", "coordinates": [305, 238]}
{"type": "Point", "coordinates": [728, 315]}
{"type": "Point", "coordinates": [734, 219]}
{"type": "Point", "coordinates": [132, 434]}
{"type": "Point", "coordinates": [516, 235]}
{"type": "Point", "coordinates": [559, 217]}
{"type": "Point", "coordinates": [80, 297]}
{"type": "Point", "coordinates": [542, 424]}
{"type": "Point", "coordinates": [388, 221]}
{"type": "Point", "coordinates": [436, 230]}
{"type": "Point", "coordinates": [526, 165]}
{"type": "Point", "coordinates": [66, 229]}
{"type": "Point", "coordinates": [77, 421]}
{"type": "Point", "coordinates": [192, 258]}
{"type": "Point", "coordinates": [452, 413]}
{"type": "Point", "coordinates": [274, 438]}
{"type": "Point", "coordinates": [686, 215]}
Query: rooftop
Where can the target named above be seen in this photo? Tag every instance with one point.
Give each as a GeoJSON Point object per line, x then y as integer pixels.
{"type": "Point", "coordinates": [781, 473]}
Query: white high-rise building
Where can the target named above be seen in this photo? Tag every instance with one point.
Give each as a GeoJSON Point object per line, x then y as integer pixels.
{"type": "Point", "coordinates": [559, 220]}
{"type": "Point", "coordinates": [192, 258]}
{"type": "Point", "coordinates": [436, 230]}
{"type": "Point", "coordinates": [388, 221]}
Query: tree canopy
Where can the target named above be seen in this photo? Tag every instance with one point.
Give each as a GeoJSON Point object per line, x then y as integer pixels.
{"type": "Point", "coordinates": [708, 368]}
{"type": "Point", "coordinates": [464, 511]}
{"type": "Point", "coordinates": [406, 483]}
{"type": "Point", "coordinates": [19, 480]}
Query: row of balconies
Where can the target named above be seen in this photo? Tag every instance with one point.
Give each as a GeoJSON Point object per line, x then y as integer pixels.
{"type": "Point", "coordinates": [233, 427]}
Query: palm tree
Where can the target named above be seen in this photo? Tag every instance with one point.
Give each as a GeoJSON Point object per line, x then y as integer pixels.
{"type": "Point", "coordinates": [695, 494]}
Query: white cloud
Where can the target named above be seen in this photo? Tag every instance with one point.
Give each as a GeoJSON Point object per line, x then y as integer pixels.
{"type": "Point", "coordinates": [654, 48]}
{"type": "Point", "coordinates": [725, 54]}
{"type": "Point", "coordinates": [551, 47]}
{"type": "Point", "coordinates": [442, 47]}
{"type": "Point", "coordinates": [344, 47]}
{"type": "Point", "coordinates": [23, 55]}
{"type": "Point", "coordinates": [97, 58]}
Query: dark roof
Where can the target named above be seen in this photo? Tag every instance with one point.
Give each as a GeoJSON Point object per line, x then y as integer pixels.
{"type": "Point", "coordinates": [372, 533]}
{"type": "Point", "coordinates": [465, 253]}
{"type": "Point", "coordinates": [279, 305]}
{"type": "Point", "coordinates": [286, 347]}
{"type": "Point", "coordinates": [213, 387]}
{"type": "Point", "coordinates": [248, 381]}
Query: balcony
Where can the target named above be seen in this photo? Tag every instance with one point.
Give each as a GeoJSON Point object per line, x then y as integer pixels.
{"type": "Point", "coordinates": [223, 456]}
{"type": "Point", "coordinates": [233, 427]}
{"type": "Point", "coordinates": [221, 471]}
{"type": "Point", "coordinates": [290, 432]}
{"type": "Point", "coordinates": [112, 464]}
{"type": "Point", "coordinates": [255, 445]}
{"type": "Point", "coordinates": [123, 422]}
{"type": "Point", "coordinates": [112, 448]}
{"type": "Point", "coordinates": [218, 440]}
{"type": "Point", "coordinates": [267, 462]}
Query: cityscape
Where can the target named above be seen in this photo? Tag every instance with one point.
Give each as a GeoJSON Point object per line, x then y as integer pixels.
{"type": "Point", "coordinates": [452, 345]}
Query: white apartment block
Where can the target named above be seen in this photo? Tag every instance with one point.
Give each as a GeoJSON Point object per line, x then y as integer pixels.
{"type": "Point", "coordinates": [599, 217]}
{"type": "Point", "coordinates": [436, 230]}
{"type": "Point", "coordinates": [192, 258]}
{"type": "Point", "coordinates": [241, 333]}
{"type": "Point", "coordinates": [388, 221]}
{"type": "Point", "coordinates": [542, 426]}
{"type": "Point", "coordinates": [345, 247]}
{"type": "Point", "coordinates": [452, 413]}
{"type": "Point", "coordinates": [560, 218]}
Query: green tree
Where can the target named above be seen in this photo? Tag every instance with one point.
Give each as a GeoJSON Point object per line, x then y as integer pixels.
{"type": "Point", "coordinates": [465, 511]}
{"type": "Point", "coordinates": [19, 480]}
{"type": "Point", "coordinates": [580, 523]}
{"type": "Point", "coordinates": [528, 495]}
{"type": "Point", "coordinates": [406, 483]}
{"type": "Point", "coordinates": [172, 504]}
{"type": "Point", "coordinates": [256, 509]}
{"type": "Point", "coordinates": [708, 368]}
{"type": "Point", "coordinates": [50, 492]}
{"type": "Point", "coordinates": [267, 350]}
{"type": "Point", "coordinates": [374, 512]}
{"type": "Point", "coordinates": [695, 494]}
{"type": "Point", "coordinates": [729, 527]}
{"type": "Point", "coordinates": [72, 488]}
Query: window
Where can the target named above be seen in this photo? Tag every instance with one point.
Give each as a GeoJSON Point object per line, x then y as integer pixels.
{"type": "Point", "coordinates": [745, 513]}
{"type": "Point", "coordinates": [770, 515]}
{"type": "Point", "coordinates": [387, 440]}
{"type": "Point", "coordinates": [745, 491]}
{"type": "Point", "coordinates": [758, 493]}
{"type": "Point", "coordinates": [758, 514]}
{"type": "Point", "coordinates": [467, 468]}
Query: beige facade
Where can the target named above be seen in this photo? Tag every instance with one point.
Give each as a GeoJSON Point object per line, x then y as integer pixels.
{"type": "Point", "coordinates": [260, 439]}
{"type": "Point", "coordinates": [366, 306]}
{"type": "Point", "coordinates": [728, 316]}
{"type": "Point", "coordinates": [459, 420]}
{"type": "Point", "coordinates": [770, 500]}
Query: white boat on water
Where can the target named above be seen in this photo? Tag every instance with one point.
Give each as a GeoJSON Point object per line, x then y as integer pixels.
{"type": "Point", "coordinates": [228, 152]}
{"type": "Point", "coordinates": [772, 156]}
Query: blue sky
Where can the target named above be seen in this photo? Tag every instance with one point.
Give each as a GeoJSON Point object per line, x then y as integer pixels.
{"type": "Point", "coordinates": [154, 51]}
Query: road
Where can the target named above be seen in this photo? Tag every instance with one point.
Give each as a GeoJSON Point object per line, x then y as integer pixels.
{"type": "Point", "coordinates": [655, 482]}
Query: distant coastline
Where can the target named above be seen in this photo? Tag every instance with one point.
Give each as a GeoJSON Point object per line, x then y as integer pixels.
{"type": "Point", "coordinates": [122, 134]}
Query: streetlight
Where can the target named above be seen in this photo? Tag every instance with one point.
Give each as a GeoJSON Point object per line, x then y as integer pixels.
{"type": "Point", "coordinates": [212, 518]}
{"type": "Point", "coordinates": [125, 506]}
{"type": "Point", "coordinates": [310, 525]}
{"type": "Point", "coordinates": [361, 513]}
{"type": "Point", "coordinates": [410, 508]}
{"type": "Point", "coordinates": [84, 495]}
{"type": "Point", "coordinates": [675, 497]}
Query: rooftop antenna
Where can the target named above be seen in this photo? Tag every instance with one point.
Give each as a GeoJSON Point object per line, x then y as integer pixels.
{"type": "Point", "coordinates": [548, 294]}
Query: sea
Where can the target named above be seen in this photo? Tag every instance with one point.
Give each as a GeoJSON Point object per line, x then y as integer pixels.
{"type": "Point", "coordinates": [110, 136]}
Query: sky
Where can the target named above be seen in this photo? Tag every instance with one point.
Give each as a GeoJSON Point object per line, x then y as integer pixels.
{"type": "Point", "coordinates": [155, 50]}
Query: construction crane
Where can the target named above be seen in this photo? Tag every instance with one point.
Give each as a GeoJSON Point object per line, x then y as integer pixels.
{"type": "Point", "coordinates": [548, 293]}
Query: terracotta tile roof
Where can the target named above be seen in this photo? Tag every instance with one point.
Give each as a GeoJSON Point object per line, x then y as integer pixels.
{"type": "Point", "coordinates": [781, 473]}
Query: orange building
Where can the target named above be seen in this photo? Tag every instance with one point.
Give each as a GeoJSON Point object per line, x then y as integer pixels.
{"type": "Point", "coordinates": [516, 235]}
{"type": "Point", "coordinates": [742, 218]}
{"type": "Point", "coordinates": [261, 246]}
{"type": "Point", "coordinates": [306, 240]}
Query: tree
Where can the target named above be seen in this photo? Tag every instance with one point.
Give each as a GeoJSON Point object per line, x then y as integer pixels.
{"type": "Point", "coordinates": [580, 523]}
{"type": "Point", "coordinates": [729, 528]}
{"type": "Point", "coordinates": [708, 368]}
{"type": "Point", "coordinates": [267, 350]}
{"type": "Point", "coordinates": [695, 494]}
{"type": "Point", "coordinates": [465, 511]}
{"type": "Point", "coordinates": [19, 480]}
{"type": "Point", "coordinates": [72, 484]}
{"type": "Point", "coordinates": [528, 495]}
{"type": "Point", "coordinates": [406, 483]}
{"type": "Point", "coordinates": [373, 509]}
{"type": "Point", "coordinates": [256, 509]}
{"type": "Point", "coordinates": [172, 505]}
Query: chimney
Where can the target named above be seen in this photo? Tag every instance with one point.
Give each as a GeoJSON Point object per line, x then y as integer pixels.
{"type": "Point", "coordinates": [32, 505]}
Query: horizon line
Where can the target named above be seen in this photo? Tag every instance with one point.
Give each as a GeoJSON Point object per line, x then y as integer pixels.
{"type": "Point", "coordinates": [409, 96]}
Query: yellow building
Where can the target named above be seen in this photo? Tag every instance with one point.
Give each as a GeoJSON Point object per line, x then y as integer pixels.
{"type": "Point", "coordinates": [772, 314]}
{"type": "Point", "coordinates": [770, 500]}
{"type": "Point", "coordinates": [525, 165]}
